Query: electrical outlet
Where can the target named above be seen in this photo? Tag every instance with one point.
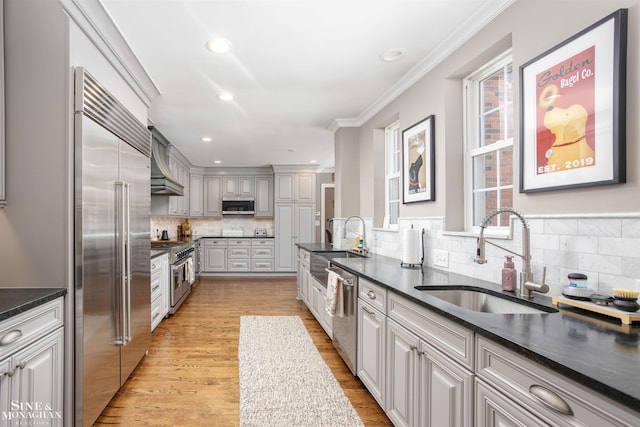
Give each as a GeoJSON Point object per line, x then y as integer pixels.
{"type": "Point", "coordinates": [440, 258]}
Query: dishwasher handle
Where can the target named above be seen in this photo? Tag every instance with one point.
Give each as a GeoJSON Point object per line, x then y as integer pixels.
{"type": "Point", "coordinates": [347, 281]}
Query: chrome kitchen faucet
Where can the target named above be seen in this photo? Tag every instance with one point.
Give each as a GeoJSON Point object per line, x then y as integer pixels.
{"type": "Point", "coordinates": [527, 285]}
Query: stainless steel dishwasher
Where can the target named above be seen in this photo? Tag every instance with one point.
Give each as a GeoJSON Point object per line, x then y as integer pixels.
{"type": "Point", "coordinates": [345, 328]}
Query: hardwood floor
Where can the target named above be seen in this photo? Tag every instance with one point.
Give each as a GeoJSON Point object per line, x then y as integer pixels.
{"type": "Point", "coordinates": [190, 376]}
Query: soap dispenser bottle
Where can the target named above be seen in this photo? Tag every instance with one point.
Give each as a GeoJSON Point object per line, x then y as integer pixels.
{"type": "Point", "coordinates": [509, 275]}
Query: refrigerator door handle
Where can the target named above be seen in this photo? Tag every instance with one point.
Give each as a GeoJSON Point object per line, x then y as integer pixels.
{"type": "Point", "coordinates": [127, 247]}
{"type": "Point", "coordinates": [121, 286]}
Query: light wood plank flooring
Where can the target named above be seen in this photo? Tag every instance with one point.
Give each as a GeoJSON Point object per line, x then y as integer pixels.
{"type": "Point", "coordinates": [190, 376]}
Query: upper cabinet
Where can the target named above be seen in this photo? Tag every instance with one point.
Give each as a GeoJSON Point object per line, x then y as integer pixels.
{"type": "Point", "coordinates": [264, 196]}
{"type": "Point", "coordinates": [196, 194]}
{"type": "Point", "coordinates": [295, 187]}
{"type": "Point", "coordinates": [237, 186]}
{"type": "Point", "coordinates": [213, 195]}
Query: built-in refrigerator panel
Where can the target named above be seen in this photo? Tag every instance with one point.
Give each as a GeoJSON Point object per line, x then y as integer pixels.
{"type": "Point", "coordinates": [97, 269]}
{"type": "Point", "coordinates": [112, 235]}
{"type": "Point", "coordinates": [135, 172]}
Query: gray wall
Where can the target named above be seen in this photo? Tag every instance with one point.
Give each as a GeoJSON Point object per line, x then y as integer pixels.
{"type": "Point", "coordinates": [530, 27]}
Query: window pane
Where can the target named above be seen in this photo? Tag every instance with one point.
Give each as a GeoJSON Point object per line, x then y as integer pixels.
{"type": "Point", "coordinates": [506, 168]}
{"type": "Point", "coordinates": [394, 189]}
{"type": "Point", "coordinates": [485, 171]}
{"type": "Point", "coordinates": [495, 107]}
{"type": "Point", "coordinates": [393, 212]}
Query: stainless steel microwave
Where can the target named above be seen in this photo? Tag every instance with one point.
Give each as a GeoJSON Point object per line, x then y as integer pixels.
{"type": "Point", "coordinates": [238, 206]}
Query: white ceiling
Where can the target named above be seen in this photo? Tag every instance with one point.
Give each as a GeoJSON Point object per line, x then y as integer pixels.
{"type": "Point", "coordinates": [297, 68]}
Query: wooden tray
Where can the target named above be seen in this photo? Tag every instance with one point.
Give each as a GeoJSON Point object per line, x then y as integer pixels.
{"type": "Point", "coordinates": [626, 317]}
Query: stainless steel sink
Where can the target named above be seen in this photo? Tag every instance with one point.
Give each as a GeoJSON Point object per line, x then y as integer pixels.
{"type": "Point", "coordinates": [481, 301]}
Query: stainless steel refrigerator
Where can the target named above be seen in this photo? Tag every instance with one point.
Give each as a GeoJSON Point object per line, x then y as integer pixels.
{"type": "Point", "coordinates": [112, 233]}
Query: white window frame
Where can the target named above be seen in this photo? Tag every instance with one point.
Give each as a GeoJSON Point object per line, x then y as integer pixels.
{"type": "Point", "coordinates": [389, 176]}
{"type": "Point", "coordinates": [471, 132]}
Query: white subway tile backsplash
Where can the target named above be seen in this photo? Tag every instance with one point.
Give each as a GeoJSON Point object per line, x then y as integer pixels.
{"type": "Point", "coordinates": [600, 263]}
{"type": "Point", "coordinates": [624, 246]}
{"type": "Point", "coordinates": [606, 249]}
{"type": "Point", "coordinates": [631, 228]}
{"type": "Point", "coordinates": [584, 244]}
{"type": "Point", "coordinates": [561, 226]}
{"type": "Point", "coordinates": [611, 227]}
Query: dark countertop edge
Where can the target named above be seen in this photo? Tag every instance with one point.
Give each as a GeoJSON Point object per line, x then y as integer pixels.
{"type": "Point", "coordinates": [157, 252]}
{"type": "Point", "coordinates": [629, 401]}
{"type": "Point", "coordinates": [195, 238]}
{"type": "Point", "coordinates": [37, 297]}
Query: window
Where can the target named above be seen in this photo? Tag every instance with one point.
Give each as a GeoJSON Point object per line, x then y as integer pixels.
{"type": "Point", "coordinates": [393, 158]}
{"type": "Point", "coordinates": [489, 142]}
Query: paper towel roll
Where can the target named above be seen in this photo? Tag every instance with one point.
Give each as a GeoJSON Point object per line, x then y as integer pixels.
{"type": "Point", "coordinates": [411, 246]}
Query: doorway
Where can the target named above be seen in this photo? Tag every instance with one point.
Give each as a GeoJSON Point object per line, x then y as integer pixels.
{"type": "Point", "coordinates": [327, 209]}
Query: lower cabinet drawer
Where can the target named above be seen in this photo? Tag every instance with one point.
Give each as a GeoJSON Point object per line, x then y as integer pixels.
{"type": "Point", "coordinates": [453, 339]}
{"type": "Point", "coordinates": [239, 252]}
{"type": "Point", "coordinates": [24, 328]}
{"type": "Point", "coordinates": [541, 391]}
{"type": "Point", "coordinates": [238, 265]}
{"type": "Point", "coordinates": [262, 252]}
{"type": "Point", "coordinates": [156, 312]}
{"type": "Point", "coordinates": [262, 265]}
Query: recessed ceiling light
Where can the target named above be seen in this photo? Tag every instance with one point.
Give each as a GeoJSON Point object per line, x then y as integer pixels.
{"type": "Point", "coordinates": [206, 139]}
{"type": "Point", "coordinates": [313, 161]}
{"type": "Point", "coordinates": [217, 162]}
{"type": "Point", "coordinates": [219, 46]}
{"type": "Point", "coordinates": [392, 54]}
{"type": "Point", "coordinates": [226, 96]}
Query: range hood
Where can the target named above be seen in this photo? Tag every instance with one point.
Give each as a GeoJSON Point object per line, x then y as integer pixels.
{"type": "Point", "coordinates": [162, 180]}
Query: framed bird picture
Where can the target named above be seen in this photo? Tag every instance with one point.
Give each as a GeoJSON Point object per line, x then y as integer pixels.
{"type": "Point", "coordinates": [418, 162]}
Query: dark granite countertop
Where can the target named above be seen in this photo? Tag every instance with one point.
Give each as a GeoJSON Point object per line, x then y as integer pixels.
{"type": "Point", "coordinates": [318, 247]}
{"type": "Point", "coordinates": [213, 236]}
{"type": "Point", "coordinates": [18, 300]}
{"type": "Point", "coordinates": [158, 252]}
{"type": "Point", "coordinates": [597, 352]}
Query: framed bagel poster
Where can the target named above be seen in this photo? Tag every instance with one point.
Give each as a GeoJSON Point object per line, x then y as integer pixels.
{"type": "Point", "coordinates": [418, 162]}
{"type": "Point", "coordinates": [572, 110]}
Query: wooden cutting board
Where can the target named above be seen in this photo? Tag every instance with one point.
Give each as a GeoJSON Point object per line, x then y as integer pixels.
{"type": "Point", "coordinates": [608, 310]}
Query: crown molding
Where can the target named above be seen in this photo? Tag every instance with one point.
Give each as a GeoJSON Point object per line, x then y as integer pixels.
{"type": "Point", "coordinates": [470, 27]}
{"type": "Point", "coordinates": [94, 20]}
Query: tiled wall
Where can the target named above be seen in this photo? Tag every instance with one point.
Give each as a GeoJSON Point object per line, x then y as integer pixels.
{"type": "Point", "coordinates": [605, 248]}
{"type": "Point", "coordinates": [211, 226]}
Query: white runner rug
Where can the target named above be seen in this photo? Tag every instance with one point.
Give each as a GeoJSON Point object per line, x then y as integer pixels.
{"type": "Point", "coordinates": [284, 380]}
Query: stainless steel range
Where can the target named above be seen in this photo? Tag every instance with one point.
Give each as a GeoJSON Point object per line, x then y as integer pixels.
{"type": "Point", "coordinates": [183, 273]}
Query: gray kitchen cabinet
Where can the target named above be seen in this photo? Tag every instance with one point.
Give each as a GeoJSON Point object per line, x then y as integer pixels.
{"type": "Point", "coordinates": [264, 196]}
{"type": "Point", "coordinates": [295, 187]}
{"type": "Point", "coordinates": [425, 387]}
{"type": "Point", "coordinates": [239, 255]}
{"type": "Point", "coordinates": [212, 196]}
{"type": "Point", "coordinates": [32, 363]}
{"type": "Point", "coordinates": [196, 194]}
{"type": "Point", "coordinates": [372, 331]}
{"type": "Point", "coordinates": [401, 375]}
{"type": "Point", "coordinates": [317, 304]}
{"type": "Point", "coordinates": [509, 385]}
{"type": "Point", "coordinates": [237, 186]}
{"type": "Point", "coordinates": [159, 289]}
{"type": "Point", "coordinates": [215, 255]}
{"type": "Point", "coordinates": [493, 409]}
{"type": "Point", "coordinates": [262, 254]}
{"type": "Point", "coordinates": [293, 223]}
{"type": "Point", "coordinates": [303, 259]}
{"type": "Point", "coordinates": [179, 205]}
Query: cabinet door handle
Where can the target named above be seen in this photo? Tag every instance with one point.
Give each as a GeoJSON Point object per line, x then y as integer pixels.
{"type": "Point", "coordinates": [371, 294]}
{"type": "Point", "coordinates": [371, 313]}
{"type": "Point", "coordinates": [155, 316]}
{"type": "Point", "coordinates": [155, 287]}
{"type": "Point", "coordinates": [153, 266]}
{"type": "Point", "coordinates": [10, 337]}
{"type": "Point", "coordinates": [550, 399]}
